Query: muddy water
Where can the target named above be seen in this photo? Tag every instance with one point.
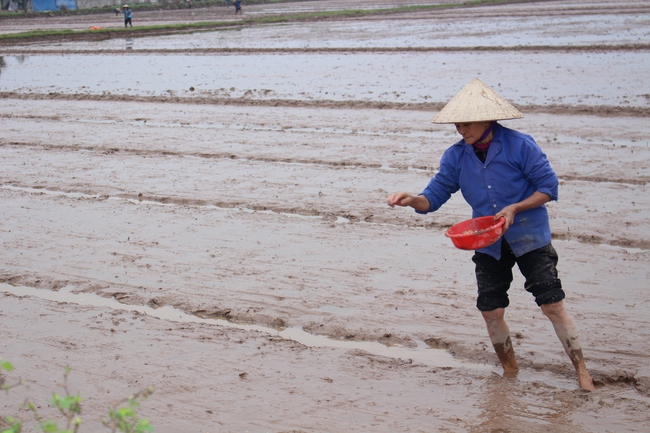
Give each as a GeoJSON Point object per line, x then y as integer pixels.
{"type": "Point", "coordinates": [564, 78]}
{"type": "Point", "coordinates": [421, 354]}
{"type": "Point", "coordinates": [540, 24]}
{"type": "Point", "coordinates": [131, 227]}
{"type": "Point", "coordinates": [185, 66]}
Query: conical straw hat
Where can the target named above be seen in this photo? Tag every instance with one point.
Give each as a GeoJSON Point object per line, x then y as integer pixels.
{"type": "Point", "coordinates": [477, 103]}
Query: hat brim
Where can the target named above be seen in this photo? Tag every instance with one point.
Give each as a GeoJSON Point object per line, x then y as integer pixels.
{"type": "Point", "coordinates": [477, 102]}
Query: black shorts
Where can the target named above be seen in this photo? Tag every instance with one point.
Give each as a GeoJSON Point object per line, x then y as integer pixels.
{"type": "Point", "coordinates": [495, 276]}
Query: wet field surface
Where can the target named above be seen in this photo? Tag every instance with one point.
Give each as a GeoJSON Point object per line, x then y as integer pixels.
{"type": "Point", "coordinates": [565, 78]}
{"type": "Point", "coordinates": [205, 213]}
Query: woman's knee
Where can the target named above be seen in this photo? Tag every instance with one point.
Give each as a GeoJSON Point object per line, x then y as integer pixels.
{"type": "Point", "coordinates": [494, 315]}
{"type": "Point", "coordinates": [553, 310]}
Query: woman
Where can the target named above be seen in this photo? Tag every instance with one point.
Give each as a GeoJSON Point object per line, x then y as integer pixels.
{"type": "Point", "coordinates": [504, 173]}
{"type": "Point", "coordinates": [128, 16]}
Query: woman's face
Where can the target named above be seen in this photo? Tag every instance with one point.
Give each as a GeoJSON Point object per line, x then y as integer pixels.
{"type": "Point", "coordinates": [471, 131]}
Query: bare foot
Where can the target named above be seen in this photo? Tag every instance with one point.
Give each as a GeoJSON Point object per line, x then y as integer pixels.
{"type": "Point", "coordinates": [506, 354]}
{"type": "Point", "coordinates": [586, 382]}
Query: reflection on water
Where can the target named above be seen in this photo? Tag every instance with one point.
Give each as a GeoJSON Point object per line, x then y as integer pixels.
{"type": "Point", "coordinates": [519, 404]}
{"type": "Point", "coordinates": [19, 60]}
{"type": "Point", "coordinates": [128, 44]}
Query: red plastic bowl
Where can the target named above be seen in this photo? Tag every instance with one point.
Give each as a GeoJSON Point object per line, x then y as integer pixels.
{"type": "Point", "coordinates": [476, 233]}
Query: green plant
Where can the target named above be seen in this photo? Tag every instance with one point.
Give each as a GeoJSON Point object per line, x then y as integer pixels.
{"type": "Point", "coordinates": [122, 415]}
{"type": "Point", "coordinates": [14, 425]}
{"type": "Point", "coordinates": [125, 419]}
{"type": "Point", "coordinates": [69, 406]}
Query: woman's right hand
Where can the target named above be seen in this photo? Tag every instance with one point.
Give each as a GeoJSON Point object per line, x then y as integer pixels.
{"type": "Point", "coordinates": [417, 202]}
{"type": "Point", "coordinates": [399, 199]}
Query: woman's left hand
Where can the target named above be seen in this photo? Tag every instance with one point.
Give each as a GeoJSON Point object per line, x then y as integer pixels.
{"type": "Point", "coordinates": [508, 213]}
{"type": "Point", "coordinates": [536, 199]}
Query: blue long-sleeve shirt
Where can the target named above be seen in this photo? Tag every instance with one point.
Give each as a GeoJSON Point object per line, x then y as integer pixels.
{"type": "Point", "coordinates": [514, 169]}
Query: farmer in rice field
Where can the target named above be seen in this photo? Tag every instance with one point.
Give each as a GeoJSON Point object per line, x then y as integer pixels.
{"type": "Point", "coordinates": [128, 16]}
{"type": "Point", "coordinates": [504, 173]}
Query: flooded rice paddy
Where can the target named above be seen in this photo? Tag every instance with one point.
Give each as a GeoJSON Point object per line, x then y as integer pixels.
{"type": "Point", "coordinates": [205, 213]}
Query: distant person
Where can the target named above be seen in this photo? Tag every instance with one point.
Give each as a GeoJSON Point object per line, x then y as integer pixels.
{"type": "Point", "coordinates": [128, 16]}
{"type": "Point", "coordinates": [503, 173]}
{"type": "Point", "coordinates": [237, 6]}
{"type": "Point", "coordinates": [117, 11]}
{"type": "Point", "coordinates": [189, 4]}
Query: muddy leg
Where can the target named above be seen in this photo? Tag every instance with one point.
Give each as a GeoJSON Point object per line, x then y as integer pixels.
{"type": "Point", "coordinates": [500, 337]}
{"type": "Point", "coordinates": [568, 335]}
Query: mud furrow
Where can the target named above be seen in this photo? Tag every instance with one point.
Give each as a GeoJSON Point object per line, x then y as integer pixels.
{"type": "Point", "coordinates": [216, 155]}
{"type": "Point", "coordinates": [597, 179]}
{"type": "Point", "coordinates": [332, 216]}
{"type": "Point", "coordinates": [342, 163]}
{"type": "Point", "coordinates": [605, 48]}
{"type": "Point", "coordinates": [600, 110]}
